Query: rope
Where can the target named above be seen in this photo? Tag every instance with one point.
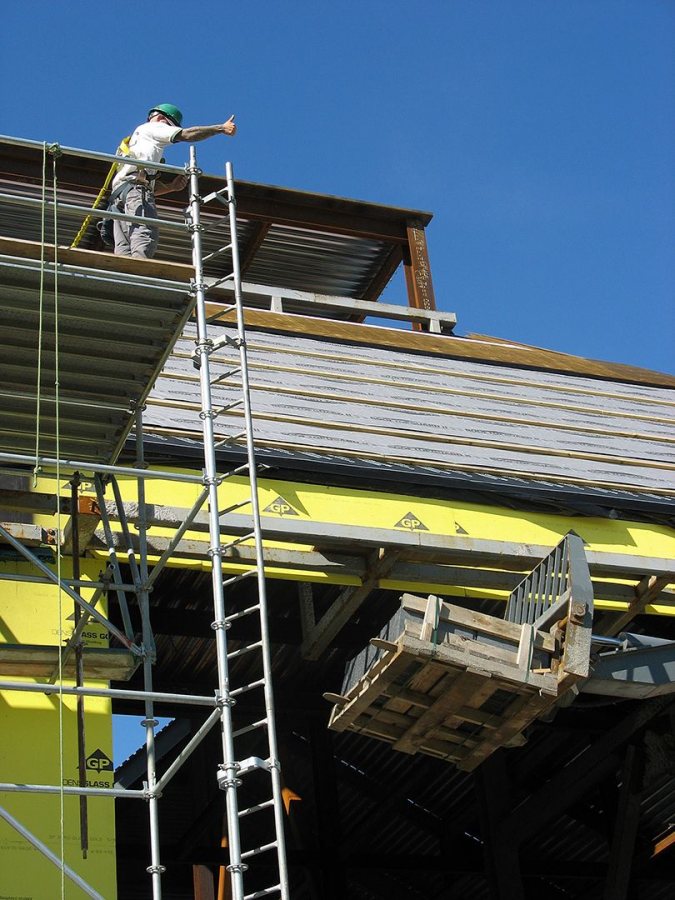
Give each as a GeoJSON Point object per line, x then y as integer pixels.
{"type": "Point", "coordinates": [122, 150]}
{"type": "Point", "coordinates": [55, 153]}
{"type": "Point", "coordinates": [36, 468]}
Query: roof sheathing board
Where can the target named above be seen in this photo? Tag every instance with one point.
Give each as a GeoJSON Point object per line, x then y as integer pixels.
{"type": "Point", "coordinates": [383, 406]}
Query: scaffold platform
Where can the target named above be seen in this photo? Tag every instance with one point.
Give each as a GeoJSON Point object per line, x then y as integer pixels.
{"type": "Point", "coordinates": [115, 331]}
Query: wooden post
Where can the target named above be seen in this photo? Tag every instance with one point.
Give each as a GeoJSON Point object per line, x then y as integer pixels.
{"type": "Point", "coordinates": [418, 270]}
{"type": "Point", "coordinates": [203, 883]}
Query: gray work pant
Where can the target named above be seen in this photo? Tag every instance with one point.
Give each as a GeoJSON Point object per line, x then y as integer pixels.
{"type": "Point", "coordinates": [133, 238]}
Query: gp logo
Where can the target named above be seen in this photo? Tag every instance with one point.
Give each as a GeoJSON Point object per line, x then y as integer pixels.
{"type": "Point", "coordinates": [280, 507]}
{"type": "Point", "coordinates": [411, 523]}
{"type": "Point", "coordinates": [99, 762]}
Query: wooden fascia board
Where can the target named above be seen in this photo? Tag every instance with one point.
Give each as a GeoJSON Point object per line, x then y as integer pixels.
{"type": "Point", "coordinates": [450, 347]}
{"type": "Point", "coordinates": [315, 218]}
{"type": "Point", "coordinates": [268, 203]}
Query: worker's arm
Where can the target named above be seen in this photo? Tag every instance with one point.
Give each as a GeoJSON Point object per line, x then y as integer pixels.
{"type": "Point", "coordinates": [201, 132]}
{"type": "Point", "coordinates": [168, 187]}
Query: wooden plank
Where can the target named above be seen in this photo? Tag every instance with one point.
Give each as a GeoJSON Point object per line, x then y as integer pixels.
{"type": "Point", "coordinates": [468, 684]}
{"type": "Point", "coordinates": [524, 710]}
{"type": "Point", "coordinates": [440, 749]}
{"type": "Point", "coordinates": [92, 259]}
{"type": "Point", "coordinates": [385, 671]}
{"type": "Point", "coordinates": [39, 661]}
{"type": "Point", "coordinates": [445, 345]}
{"type": "Point", "coordinates": [412, 698]}
{"type": "Point", "coordinates": [476, 716]}
{"type": "Point", "coordinates": [365, 724]}
{"type": "Point", "coordinates": [429, 675]}
{"type": "Point", "coordinates": [448, 346]}
{"type": "Point", "coordinates": [467, 618]}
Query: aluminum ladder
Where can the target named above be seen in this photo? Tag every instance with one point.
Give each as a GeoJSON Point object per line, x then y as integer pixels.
{"type": "Point", "coordinates": [258, 773]}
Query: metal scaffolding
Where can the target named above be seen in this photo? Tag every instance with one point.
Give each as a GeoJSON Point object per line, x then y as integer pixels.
{"type": "Point", "coordinates": [263, 764]}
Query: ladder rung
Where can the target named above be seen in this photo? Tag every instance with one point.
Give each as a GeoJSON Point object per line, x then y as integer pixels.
{"type": "Point", "coordinates": [265, 892]}
{"type": "Point", "coordinates": [249, 574]}
{"type": "Point", "coordinates": [257, 808]}
{"type": "Point", "coordinates": [223, 409]}
{"type": "Point", "coordinates": [221, 378]}
{"type": "Point", "coordinates": [221, 280]}
{"type": "Point", "coordinates": [244, 650]}
{"type": "Point", "coordinates": [242, 468]}
{"type": "Point", "coordinates": [229, 509]}
{"type": "Point", "coordinates": [212, 227]}
{"type": "Point", "coordinates": [221, 312]}
{"type": "Point", "coordinates": [237, 692]}
{"type": "Point", "coordinates": [263, 848]}
{"type": "Point", "coordinates": [230, 440]}
{"type": "Point", "coordinates": [239, 540]}
{"type": "Point", "coordinates": [254, 726]}
{"type": "Point", "coordinates": [240, 615]}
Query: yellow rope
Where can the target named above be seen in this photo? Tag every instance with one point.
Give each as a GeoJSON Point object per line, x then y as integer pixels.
{"type": "Point", "coordinates": [122, 150]}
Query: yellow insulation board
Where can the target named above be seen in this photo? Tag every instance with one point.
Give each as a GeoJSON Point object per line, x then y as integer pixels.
{"type": "Point", "coordinates": [39, 746]}
{"type": "Point", "coordinates": [379, 510]}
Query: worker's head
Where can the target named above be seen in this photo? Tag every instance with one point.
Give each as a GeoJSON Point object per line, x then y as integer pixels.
{"type": "Point", "coordinates": [169, 111]}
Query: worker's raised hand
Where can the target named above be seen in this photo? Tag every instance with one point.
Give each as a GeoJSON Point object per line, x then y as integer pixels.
{"type": "Point", "coordinates": [229, 127]}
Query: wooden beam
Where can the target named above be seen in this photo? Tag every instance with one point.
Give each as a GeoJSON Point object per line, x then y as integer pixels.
{"type": "Point", "coordinates": [502, 864]}
{"type": "Point", "coordinates": [418, 268]}
{"type": "Point", "coordinates": [384, 274]}
{"type": "Point", "coordinates": [203, 883]}
{"type": "Point", "coordinates": [568, 785]}
{"type": "Point", "coordinates": [622, 851]}
{"type": "Point", "coordinates": [344, 607]}
{"type": "Point", "coordinates": [333, 885]}
{"type": "Point", "coordinates": [447, 346]}
{"type": "Point", "coordinates": [646, 592]}
{"type": "Point", "coordinates": [260, 230]}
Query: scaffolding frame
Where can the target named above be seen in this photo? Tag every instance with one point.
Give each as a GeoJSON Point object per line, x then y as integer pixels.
{"type": "Point", "coordinates": [232, 771]}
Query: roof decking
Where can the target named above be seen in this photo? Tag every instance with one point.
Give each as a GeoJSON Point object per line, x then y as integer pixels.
{"type": "Point", "coordinates": [288, 238]}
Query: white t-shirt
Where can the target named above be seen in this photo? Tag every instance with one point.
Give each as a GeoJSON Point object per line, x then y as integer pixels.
{"type": "Point", "coordinates": [147, 142]}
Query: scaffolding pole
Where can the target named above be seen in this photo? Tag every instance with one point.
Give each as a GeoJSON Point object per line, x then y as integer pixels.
{"type": "Point", "coordinates": [233, 769]}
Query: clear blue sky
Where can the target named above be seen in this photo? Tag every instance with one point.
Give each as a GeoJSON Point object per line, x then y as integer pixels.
{"type": "Point", "coordinates": [539, 133]}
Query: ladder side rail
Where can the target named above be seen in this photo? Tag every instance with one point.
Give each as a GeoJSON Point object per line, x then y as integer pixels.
{"type": "Point", "coordinates": [260, 561]}
{"type": "Point", "coordinates": [203, 349]}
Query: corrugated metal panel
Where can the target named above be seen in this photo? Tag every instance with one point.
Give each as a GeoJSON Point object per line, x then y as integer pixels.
{"type": "Point", "coordinates": [372, 403]}
{"type": "Point", "coordinates": [313, 261]}
{"type": "Point", "coordinates": [298, 258]}
{"type": "Point", "coordinates": [114, 333]}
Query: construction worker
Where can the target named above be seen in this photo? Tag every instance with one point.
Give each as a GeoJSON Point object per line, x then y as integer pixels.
{"type": "Point", "coordinates": [134, 189]}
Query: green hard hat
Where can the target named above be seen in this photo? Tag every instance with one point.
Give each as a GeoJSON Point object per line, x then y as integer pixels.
{"type": "Point", "coordinates": [170, 111]}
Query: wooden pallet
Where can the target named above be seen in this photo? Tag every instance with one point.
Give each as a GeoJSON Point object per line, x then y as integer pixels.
{"type": "Point", "coordinates": [453, 684]}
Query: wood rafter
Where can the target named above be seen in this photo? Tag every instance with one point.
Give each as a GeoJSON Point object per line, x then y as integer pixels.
{"type": "Point", "coordinates": [344, 607]}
